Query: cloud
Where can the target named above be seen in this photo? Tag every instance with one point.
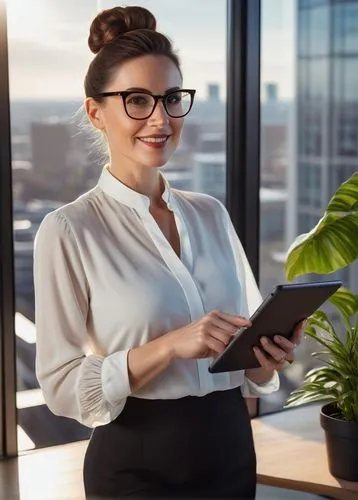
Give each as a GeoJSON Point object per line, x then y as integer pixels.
{"type": "Point", "coordinates": [49, 57]}
{"type": "Point", "coordinates": [40, 70]}
{"type": "Point", "coordinates": [51, 60]}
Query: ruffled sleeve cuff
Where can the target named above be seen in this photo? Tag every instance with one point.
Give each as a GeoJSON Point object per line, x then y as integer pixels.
{"type": "Point", "coordinates": [251, 390]}
{"type": "Point", "coordinates": [103, 387]}
{"type": "Point", "coordinates": [115, 378]}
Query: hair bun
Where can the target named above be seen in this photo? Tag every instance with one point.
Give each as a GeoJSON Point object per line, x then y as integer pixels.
{"type": "Point", "coordinates": [111, 23]}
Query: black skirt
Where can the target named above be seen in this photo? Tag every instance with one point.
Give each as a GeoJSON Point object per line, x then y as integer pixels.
{"type": "Point", "coordinates": [193, 447]}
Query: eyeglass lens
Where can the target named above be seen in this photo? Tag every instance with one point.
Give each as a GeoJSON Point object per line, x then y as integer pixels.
{"type": "Point", "coordinates": [140, 105]}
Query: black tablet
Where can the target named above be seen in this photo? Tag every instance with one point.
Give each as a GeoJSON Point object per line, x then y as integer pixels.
{"type": "Point", "coordinates": [278, 314]}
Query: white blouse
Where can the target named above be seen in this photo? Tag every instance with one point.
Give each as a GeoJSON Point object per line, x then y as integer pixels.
{"type": "Point", "coordinates": [107, 280]}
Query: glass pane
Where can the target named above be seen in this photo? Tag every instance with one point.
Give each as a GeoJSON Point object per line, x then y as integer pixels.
{"type": "Point", "coordinates": [303, 32]}
{"type": "Point", "coordinates": [307, 4]}
{"type": "Point", "coordinates": [345, 27]}
{"type": "Point", "coordinates": [313, 27]}
{"type": "Point", "coordinates": [54, 162]}
{"type": "Point", "coordinates": [319, 30]}
{"type": "Point", "coordinates": [345, 106]}
{"type": "Point", "coordinates": [313, 143]}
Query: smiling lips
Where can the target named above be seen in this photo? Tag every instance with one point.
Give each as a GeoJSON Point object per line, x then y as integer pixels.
{"type": "Point", "coordinates": [154, 141]}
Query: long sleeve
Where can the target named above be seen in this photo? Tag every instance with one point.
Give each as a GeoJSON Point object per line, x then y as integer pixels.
{"type": "Point", "coordinates": [251, 300]}
{"type": "Point", "coordinates": [76, 382]}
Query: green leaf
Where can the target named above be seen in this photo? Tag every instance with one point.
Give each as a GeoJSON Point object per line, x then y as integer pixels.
{"type": "Point", "coordinates": [352, 339]}
{"type": "Point", "coordinates": [345, 198]}
{"type": "Point", "coordinates": [313, 371]}
{"type": "Point", "coordinates": [319, 353]}
{"type": "Point", "coordinates": [324, 373]}
{"type": "Point", "coordinates": [299, 399]}
{"type": "Point", "coordinates": [330, 341]}
{"type": "Point", "coordinates": [319, 319]}
{"type": "Point", "coordinates": [337, 380]}
{"type": "Point", "coordinates": [332, 243]}
{"type": "Point", "coordinates": [345, 301]}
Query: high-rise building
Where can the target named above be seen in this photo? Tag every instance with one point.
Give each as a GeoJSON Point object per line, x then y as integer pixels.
{"type": "Point", "coordinates": [327, 108]}
{"type": "Point", "coordinates": [213, 92]}
{"type": "Point", "coordinates": [275, 115]}
{"type": "Point", "coordinates": [209, 173]}
{"type": "Point", "coordinates": [51, 144]}
{"type": "Point", "coordinates": [58, 160]}
{"type": "Point", "coordinates": [271, 92]}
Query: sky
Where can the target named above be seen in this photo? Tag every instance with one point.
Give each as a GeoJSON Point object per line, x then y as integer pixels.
{"type": "Point", "coordinates": [49, 55]}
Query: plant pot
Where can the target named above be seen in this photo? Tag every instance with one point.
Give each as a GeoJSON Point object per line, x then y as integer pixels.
{"type": "Point", "coordinates": [341, 443]}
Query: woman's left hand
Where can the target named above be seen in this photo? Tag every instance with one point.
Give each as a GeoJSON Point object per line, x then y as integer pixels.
{"type": "Point", "coordinates": [273, 355]}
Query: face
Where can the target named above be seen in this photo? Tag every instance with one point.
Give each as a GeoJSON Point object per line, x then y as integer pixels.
{"type": "Point", "coordinates": [149, 142]}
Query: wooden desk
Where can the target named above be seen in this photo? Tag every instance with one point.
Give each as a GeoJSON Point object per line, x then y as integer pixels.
{"type": "Point", "coordinates": [291, 454]}
{"type": "Point", "coordinates": [290, 450]}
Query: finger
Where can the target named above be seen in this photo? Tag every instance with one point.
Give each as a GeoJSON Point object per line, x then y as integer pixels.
{"type": "Point", "coordinates": [298, 332]}
{"type": "Point", "coordinates": [303, 323]}
{"type": "Point", "coordinates": [264, 361]}
{"type": "Point", "coordinates": [285, 344]}
{"type": "Point", "coordinates": [223, 325]}
{"type": "Point", "coordinates": [276, 352]}
{"type": "Point", "coordinates": [220, 335]}
{"type": "Point", "coordinates": [235, 320]}
{"type": "Point", "coordinates": [215, 345]}
{"type": "Point", "coordinates": [296, 337]}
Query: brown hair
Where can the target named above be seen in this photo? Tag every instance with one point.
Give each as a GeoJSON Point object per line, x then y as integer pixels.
{"type": "Point", "coordinates": [118, 35]}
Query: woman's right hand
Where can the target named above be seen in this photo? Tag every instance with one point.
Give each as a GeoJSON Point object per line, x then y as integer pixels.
{"type": "Point", "coordinates": [206, 337]}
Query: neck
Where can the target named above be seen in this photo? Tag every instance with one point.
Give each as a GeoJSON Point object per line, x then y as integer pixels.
{"type": "Point", "coordinates": [142, 179]}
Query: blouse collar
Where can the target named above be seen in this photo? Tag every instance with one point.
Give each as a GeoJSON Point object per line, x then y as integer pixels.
{"type": "Point", "coordinates": [122, 193]}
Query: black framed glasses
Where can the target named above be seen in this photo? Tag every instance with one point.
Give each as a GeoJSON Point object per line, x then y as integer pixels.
{"type": "Point", "coordinates": [141, 105]}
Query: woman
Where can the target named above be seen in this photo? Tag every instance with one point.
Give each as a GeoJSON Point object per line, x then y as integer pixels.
{"type": "Point", "coordinates": [139, 285]}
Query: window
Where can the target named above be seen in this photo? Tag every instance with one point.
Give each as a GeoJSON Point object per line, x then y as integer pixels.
{"type": "Point", "coordinates": [339, 174]}
{"type": "Point", "coordinates": [345, 106]}
{"type": "Point", "coordinates": [313, 28]}
{"type": "Point", "coordinates": [319, 30]}
{"type": "Point", "coordinates": [53, 163]}
{"type": "Point", "coordinates": [309, 4]}
{"type": "Point", "coordinates": [312, 95]}
{"type": "Point", "coordinates": [303, 66]}
{"type": "Point", "coordinates": [310, 184]}
{"type": "Point", "coordinates": [348, 135]}
{"type": "Point", "coordinates": [310, 119]}
{"type": "Point", "coordinates": [303, 37]}
{"type": "Point", "coordinates": [318, 137]}
{"type": "Point", "coordinates": [277, 113]}
{"type": "Point", "coordinates": [318, 78]}
{"type": "Point", "coordinates": [306, 222]}
{"type": "Point", "coordinates": [345, 27]}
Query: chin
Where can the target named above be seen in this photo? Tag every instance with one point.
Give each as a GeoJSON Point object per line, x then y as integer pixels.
{"type": "Point", "coordinates": [155, 162]}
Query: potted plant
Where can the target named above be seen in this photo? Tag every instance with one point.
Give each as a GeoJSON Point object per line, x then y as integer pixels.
{"type": "Point", "coordinates": [330, 246]}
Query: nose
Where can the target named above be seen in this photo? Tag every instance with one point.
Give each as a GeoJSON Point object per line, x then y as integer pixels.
{"type": "Point", "coordinates": [159, 116]}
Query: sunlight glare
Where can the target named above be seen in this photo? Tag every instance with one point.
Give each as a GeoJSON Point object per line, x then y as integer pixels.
{"type": "Point", "coordinates": [24, 18]}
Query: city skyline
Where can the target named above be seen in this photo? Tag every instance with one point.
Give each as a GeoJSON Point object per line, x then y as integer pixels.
{"type": "Point", "coordinates": [48, 42]}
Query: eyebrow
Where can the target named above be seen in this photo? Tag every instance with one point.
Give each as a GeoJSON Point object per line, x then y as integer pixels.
{"type": "Point", "coordinates": [139, 89]}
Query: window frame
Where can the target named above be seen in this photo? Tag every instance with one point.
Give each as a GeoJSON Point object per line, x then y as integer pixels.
{"type": "Point", "coordinates": [243, 131]}
{"type": "Point", "coordinates": [243, 123]}
{"type": "Point", "coordinates": [8, 412]}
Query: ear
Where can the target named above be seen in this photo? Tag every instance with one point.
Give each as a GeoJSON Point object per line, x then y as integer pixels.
{"type": "Point", "coordinates": [95, 113]}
